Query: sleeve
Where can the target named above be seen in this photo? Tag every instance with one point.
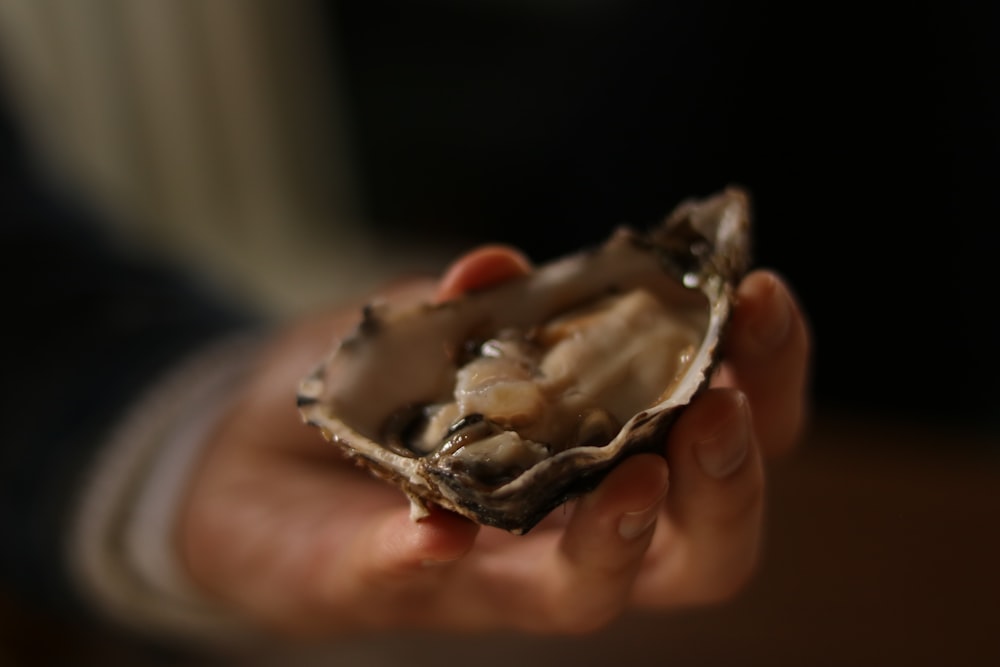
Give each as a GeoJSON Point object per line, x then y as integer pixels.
{"type": "Point", "coordinates": [88, 332]}
{"type": "Point", "coordinates": [120, 546]}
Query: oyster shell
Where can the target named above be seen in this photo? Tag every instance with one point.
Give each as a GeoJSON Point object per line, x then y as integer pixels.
{"type": "Point", "coordinates": [503, 404]}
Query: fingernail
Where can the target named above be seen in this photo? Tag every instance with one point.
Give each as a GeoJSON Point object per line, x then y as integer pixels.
{"type": "Point", "coordinates": [722, 453]}
{"type": "Point", "coordinates": [771, 331]}
{"type": "Point", "coordinates": [634, 524]}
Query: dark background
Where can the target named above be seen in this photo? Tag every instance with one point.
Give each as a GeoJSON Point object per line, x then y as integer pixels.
{"type": "Point", "coordinates": [867, 134]}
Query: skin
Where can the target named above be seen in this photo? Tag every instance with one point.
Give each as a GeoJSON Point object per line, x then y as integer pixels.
{"type": "Point", "coordinates": [280, 530]}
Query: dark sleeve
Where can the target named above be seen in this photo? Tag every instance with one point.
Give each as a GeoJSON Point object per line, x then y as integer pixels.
{"type": "Point", "coordinates": [86, 326]}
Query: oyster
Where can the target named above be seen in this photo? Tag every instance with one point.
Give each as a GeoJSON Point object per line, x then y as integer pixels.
{"type": "Point", "coordinates": [503, 404]}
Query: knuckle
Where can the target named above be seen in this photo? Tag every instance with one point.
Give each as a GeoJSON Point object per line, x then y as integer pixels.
{"type": "Point", "coordinates": [728, 582]}
{"type": "Point", "coordinates": [583, 610]}
{"type": "Point", "coordinates": [740, 510]}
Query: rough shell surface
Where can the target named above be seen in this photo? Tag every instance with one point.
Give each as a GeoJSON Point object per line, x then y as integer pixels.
{"type": "Point", "coordinates": [400, 358]}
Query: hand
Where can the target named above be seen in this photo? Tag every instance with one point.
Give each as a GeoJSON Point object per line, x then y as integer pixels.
{"type": "Point", "coordinates": [279, 529]}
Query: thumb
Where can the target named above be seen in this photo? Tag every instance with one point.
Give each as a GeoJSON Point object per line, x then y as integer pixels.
{"type": "Point", "coordinates": [481, 268]}
{"type": "Point", "coordinates": [392, 551]}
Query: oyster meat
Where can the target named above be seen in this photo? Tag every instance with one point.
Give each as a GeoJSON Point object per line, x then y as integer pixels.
{"type": "Point", "coordinates": [504, 403]}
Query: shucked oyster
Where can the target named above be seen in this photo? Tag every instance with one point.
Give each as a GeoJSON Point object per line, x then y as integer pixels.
{"type": "Point", "coordinates": [505, 403]}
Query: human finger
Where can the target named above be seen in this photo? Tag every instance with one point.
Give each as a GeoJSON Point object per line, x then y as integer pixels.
{"type": "Point", "coordinates": [394, 566]}
{"type": "Point", "coordinates": [767, 353]}
{"type": "Point", "coordinates": [480, 268]}
{"type": "Point", "coordinates": [585, 581]}
{"type": "Point", "coordinates": [708, 546]}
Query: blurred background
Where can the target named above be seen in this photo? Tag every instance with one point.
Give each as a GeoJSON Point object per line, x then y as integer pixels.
{"type": "Point", "coordinates": [294, 154]}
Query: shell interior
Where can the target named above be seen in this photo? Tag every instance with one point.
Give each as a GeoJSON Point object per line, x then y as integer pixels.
{"type": "Point", "coordinates": [400, 361]}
